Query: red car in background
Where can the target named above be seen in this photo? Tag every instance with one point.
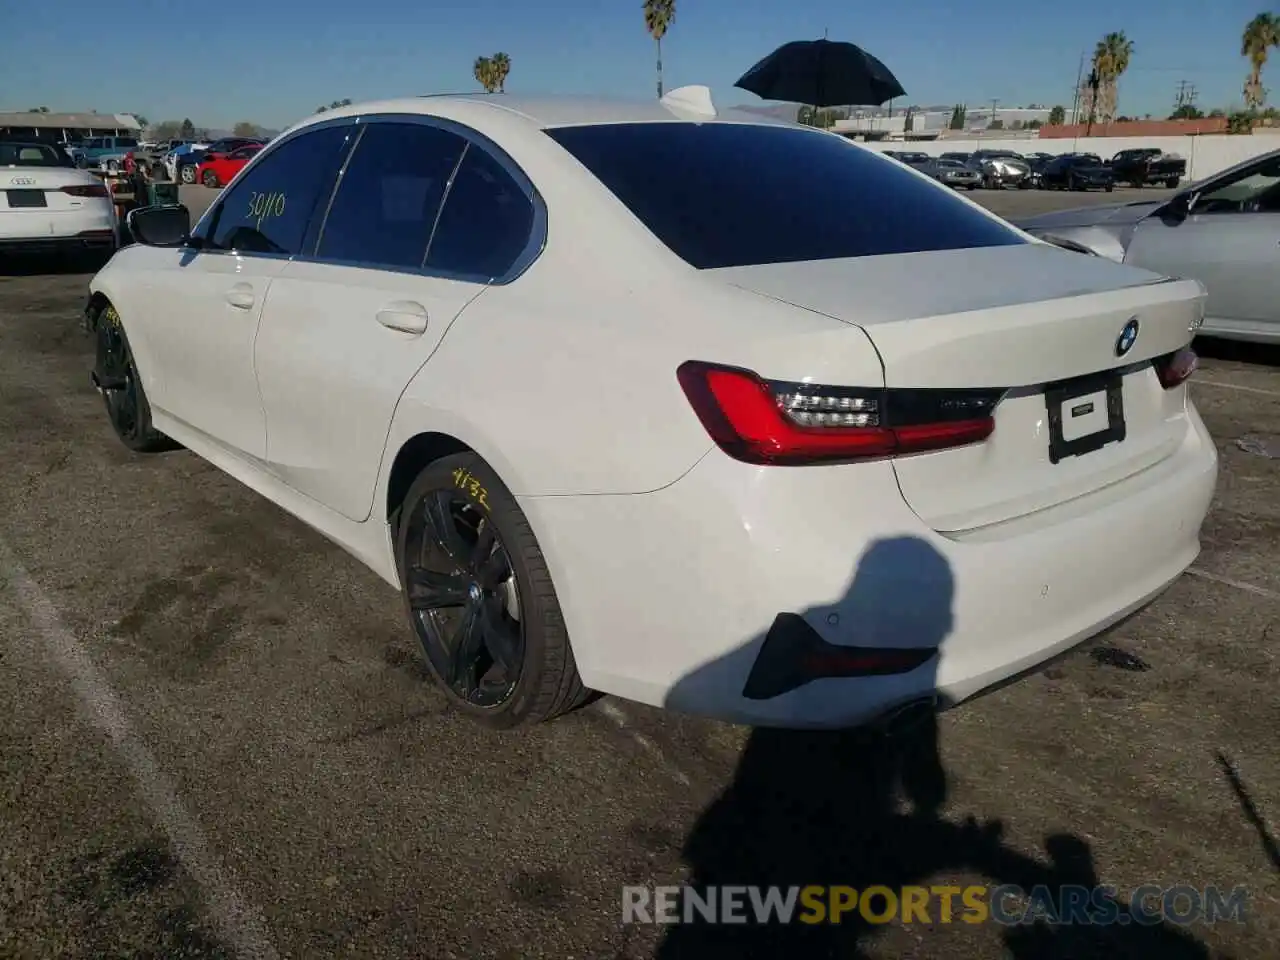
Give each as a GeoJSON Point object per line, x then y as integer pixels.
{"type": "Point", "coordinates": [218, 170]}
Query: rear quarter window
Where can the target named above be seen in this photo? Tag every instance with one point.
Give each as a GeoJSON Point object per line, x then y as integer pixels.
{"type": "Point", "coordinates": [730, 194]}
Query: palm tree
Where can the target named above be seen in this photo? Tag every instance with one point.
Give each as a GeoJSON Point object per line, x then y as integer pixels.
{"type": "Point", "coordinates": [658, 15]}
{"type": "Point", "coordinates": [484, 74]}
{"type": "Point", "coordinates": [1261, 34]}
{"type": "Point", "coordinates": [1110, 60]}
{"type": "Point", "coordinates": [501, 67]}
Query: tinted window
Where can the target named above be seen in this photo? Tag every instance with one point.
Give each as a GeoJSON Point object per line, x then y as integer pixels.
{"type": "Point", "coordinates": [126, 142]}
{"type": "Point", "coordinates": [485, 223]}
{"type": "Point", "coordinates": [727, 194]}
{"type": "Point", "coordinates": [390, 195]}
{"type": "Point", "coordinates": [268, 211]}
{"type": "Point", "coordinates": [32, 155]}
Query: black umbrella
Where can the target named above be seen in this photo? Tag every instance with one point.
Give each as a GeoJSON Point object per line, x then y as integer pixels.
{"type": "Point", "coordinates": [822, 73]}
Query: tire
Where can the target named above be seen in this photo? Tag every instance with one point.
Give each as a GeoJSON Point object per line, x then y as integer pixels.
{"type": "Point", "coordinates": [210, 179]}
{"type": "Point", "coordinates": [187, 174]}
{"type": "Point", "coordinates": [1172, 182]}
{"type": "Point", "coordinates": [1109, 187]}
{"type": "Point", "coordinates": [115, 375]}
{"type": "Point", "coordinates": [470, 499]}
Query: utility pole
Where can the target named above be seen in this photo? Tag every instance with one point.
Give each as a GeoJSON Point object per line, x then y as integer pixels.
{"type": "Point", "coordinates": [1186, 95]}
{"type": "Point", "coordinates": [994, 101]}
{"type": "Point", "coordinates": [1075, 99]}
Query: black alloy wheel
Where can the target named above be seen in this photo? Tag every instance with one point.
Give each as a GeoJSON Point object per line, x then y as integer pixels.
{"type": "Point", "coordinates": [116, 377]}
{"type": "Point", "coordinates": [464, 599]}
{"type": "Point", "coordinates": [480, 598]}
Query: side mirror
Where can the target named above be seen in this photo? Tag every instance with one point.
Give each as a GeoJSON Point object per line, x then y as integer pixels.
{"type": "Point", "coordinates": [164, 226]}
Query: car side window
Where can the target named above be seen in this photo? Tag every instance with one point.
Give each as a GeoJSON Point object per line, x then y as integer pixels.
{"type": "Point", "coordinates": [486, 221]}
{"type": "Point", "coordinates": [390, 195]}
{"type": "Point", "coordinates": [269, 209]}
{"type": "Point", "coordinates": [1252, 190]}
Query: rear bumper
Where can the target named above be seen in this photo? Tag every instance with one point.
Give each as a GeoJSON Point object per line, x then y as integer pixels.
{"type": "Point", "coordinates": [669, 596]}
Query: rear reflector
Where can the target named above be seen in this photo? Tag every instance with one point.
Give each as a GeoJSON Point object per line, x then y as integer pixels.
{"type": "Point", "coordinates": [85, 190]}
{"type": "Point", "coordinates": [772, 422]}
{"type": "Point", "coordinates": [1176, 368]}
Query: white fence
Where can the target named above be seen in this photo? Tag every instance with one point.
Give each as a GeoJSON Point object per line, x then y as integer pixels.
{"type": "Point", "coordinates": [1205, 155]}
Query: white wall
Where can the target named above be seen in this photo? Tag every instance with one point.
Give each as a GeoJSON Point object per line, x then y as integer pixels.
{"type": "Point", "coordinates": [1205, 155]}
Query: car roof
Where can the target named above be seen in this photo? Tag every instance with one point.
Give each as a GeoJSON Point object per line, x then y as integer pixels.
{"type": "Point", "coordinates": [551, 111]}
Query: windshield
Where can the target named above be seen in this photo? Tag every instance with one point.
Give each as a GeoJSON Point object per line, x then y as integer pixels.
{"type": "Point", "coordinates": [733, 194]}
{"type": "Point", "coordinates": [32, 155]}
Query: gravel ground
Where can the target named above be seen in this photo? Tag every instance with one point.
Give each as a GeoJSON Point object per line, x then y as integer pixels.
{"type": "Point", "coordinates": [219, 741]}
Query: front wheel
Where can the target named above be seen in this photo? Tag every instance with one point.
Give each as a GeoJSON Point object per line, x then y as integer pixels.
{"type": "Point", "coordinates": [188, 174]}
{"type": "Point", "coordinates": [480, 598]}
{"type": "Point", "coordinates": [116, 376]}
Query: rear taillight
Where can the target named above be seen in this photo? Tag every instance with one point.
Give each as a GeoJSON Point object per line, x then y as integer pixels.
{"type": "Point", "coordinates": [772, 422]}
{"type": "Point", "coordinates": [85, 190]}
{"type": "Point", "coordinates": [1176, 368]}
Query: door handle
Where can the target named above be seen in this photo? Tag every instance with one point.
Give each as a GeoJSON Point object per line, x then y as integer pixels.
{"type": "Point", "coordinates": [405, 316]}
{"type": "Point", "coordinates": [241, 296]}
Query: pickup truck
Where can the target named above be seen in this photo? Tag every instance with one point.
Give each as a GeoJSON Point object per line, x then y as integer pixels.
{"type": "Point", "coordinates": [1146, 165]}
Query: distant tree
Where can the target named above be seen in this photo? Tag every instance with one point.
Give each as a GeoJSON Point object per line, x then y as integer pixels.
{"type": "Point", "coordinates": [244, 129]}
{"type": "Point", "coordinates": [187, 130]}
{"type": "Point", "coordinates": [1057, 116]}
{"type": "Point", "coordinates": [486, 73]}
{"type": "Point", "coordinates": [143, 122]}
{"type": "Point", "coordinates": [38, 110]}
{"type": "Point", "coordinates": [166, 130]}
{"type": "Point", "coordinates": [1260, 35]}
{"type": "Point", "coordinates": [1217, 112]}
{"type": "Point", "coordinates": [501, 67]}
{"type": "Point", "coordinates": [1034, 124]}
{"type": "Point", "coordinates": [958, 114]}
{"type": "Point", "coordinates": [322, 109]}
{"type": "Point", "coordinates": [1187, 112]}
{"type": "Point", "coordinates": [996, 124]}
{"type": "Point", "coordinates": [658, 16]}
{"type": "Point", "coordinates": [909, 121]}
{"type": "Point", "coordinates": [1015, 125]}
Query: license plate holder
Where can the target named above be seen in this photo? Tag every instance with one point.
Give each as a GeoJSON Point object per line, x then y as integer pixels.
{"type": "Point", "coordinates": [1059, 397]}
{"type": "Point", "coordinates": [20, 199]}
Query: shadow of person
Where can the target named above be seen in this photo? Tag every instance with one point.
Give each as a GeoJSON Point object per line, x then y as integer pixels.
{"type": "Point", "coordinates": [862, 807]}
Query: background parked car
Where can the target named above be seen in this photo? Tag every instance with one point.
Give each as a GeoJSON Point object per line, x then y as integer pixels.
{"type": "Point", "coordinates": [219, 170]}
{"type": "Point", "coordinates": [952, 172]}
{"type": "Point", "coordinates": [91, 151]}
{"type": "Point", "coordinates": [1148, 165]}
{"type": "Point", "coordinates": [185, 168]}
{"type": "Point", "coordinates": [1076, 171]}
{"type": "Point", "coordinates": [1001, 168]}
{"type": "Point", "coordinates": [1221, 231]}
{"type": "Point", "coordinates": [176, 154]}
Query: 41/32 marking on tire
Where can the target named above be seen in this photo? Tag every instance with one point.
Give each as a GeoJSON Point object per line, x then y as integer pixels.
{"type": "Point", "coordinates": [465, 481]}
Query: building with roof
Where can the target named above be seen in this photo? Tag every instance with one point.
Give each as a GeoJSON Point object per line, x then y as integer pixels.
{"type": "Point", "coordinates": [61, 127]}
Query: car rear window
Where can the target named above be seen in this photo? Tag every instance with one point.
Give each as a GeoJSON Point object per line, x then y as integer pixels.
{"type": "Point", "coordinates": [731, 194]}
{"type": "Point", "coordinates": [32, 155]}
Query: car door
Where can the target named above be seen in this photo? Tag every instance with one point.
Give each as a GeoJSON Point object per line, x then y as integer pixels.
{"type": "Point", "coordinates": [423, 218]}
{"type": "Point", "coordinates": [207, 298]}
{"type": "Point", "coordinates": [1230, 242]}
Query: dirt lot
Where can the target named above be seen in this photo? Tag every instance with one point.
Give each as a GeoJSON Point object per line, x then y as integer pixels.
{"type": "Point", "coordinates": [218, 739]}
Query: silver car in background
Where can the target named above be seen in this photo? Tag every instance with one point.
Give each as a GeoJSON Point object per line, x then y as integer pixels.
{"type": "Point", "coordinates": [1223, 231]}
{"type": "Point", "coordinates": [1001, 168]}
{"type": "Point", "coordinates": [953, 173]}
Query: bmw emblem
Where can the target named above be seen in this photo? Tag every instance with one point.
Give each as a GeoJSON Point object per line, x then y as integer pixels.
{"type": "Point", "coordinates": [1128, 336]}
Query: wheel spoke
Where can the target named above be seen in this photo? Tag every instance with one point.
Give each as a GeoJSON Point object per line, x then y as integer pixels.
{"type": "Point", "coordinates": [440, 520]}
{"type": "Point", "coordinates": [489, 560]}
{"type": "Point", "coordinates": [501, 637]}
{"type": "Point", "coordinates": [467, 646]}
{"type": "Point", "coordinates": [430, 590]}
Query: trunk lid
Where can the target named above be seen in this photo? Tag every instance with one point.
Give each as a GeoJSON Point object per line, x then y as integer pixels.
{"type": "Point", "coordinates": [1027, 319]}
{"type": "Point", "coordinates": [18, 185]}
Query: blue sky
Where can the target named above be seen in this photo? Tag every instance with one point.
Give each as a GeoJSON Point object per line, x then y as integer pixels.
{"type": "Point", "coordinates": [272, 62]}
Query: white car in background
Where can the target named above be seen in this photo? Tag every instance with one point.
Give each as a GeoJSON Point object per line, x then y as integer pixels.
{"type": "Point", "coordinates": [645, 399]}
{"type": "Point", "coordinates": [47, 204]}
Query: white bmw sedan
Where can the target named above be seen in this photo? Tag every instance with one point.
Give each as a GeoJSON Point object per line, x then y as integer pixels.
{"type": "Point", "coordinates": [706, 411]}
{"type": "Point", "coordinates": [48, 205]}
